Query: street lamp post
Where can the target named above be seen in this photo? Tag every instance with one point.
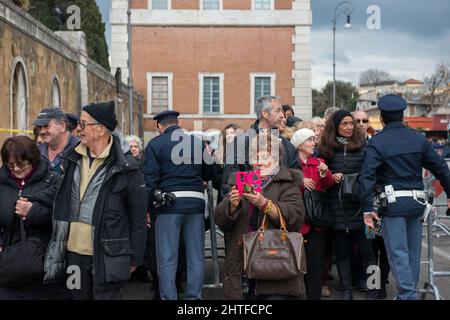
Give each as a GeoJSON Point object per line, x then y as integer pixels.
{"type": "Point", "coordinates": [130, 70]}
{"type": "Point", "coordinates": [347, 7]}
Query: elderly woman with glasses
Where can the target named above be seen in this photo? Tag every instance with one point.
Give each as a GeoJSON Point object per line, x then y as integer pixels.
{"type": "Point", "coordinates": [27, 189]}
{"type": "Point", "coordinates": [239, 214]}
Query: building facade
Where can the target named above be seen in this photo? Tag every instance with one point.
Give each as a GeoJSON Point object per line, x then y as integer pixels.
{"type": "Point", "coordinates": [211, 59]}
{"type": "Point", "coordinates": [415, 92]}
{"type": "Point", "coordinates": [41, 68]}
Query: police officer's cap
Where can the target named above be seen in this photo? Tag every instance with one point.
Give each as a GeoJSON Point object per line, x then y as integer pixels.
{"type": "Point", "coordinates": [391, 103]}
{"type": "Point", "coordinates": [168, 114]}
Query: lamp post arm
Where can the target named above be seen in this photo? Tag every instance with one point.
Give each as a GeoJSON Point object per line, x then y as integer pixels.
{"type": "Point", "coordinates": [347, 10]}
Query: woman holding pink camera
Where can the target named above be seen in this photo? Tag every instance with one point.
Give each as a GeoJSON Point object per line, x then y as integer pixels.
{"type": "Point", "coordinates": [243, 213]}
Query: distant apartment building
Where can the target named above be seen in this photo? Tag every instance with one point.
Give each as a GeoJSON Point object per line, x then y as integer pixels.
{"type": "Point", "coordinates": [419, 114]}
{"type": "Point", "coordinates": [212, 59]}
{"type": "Point", "coordinates": [412, 90]}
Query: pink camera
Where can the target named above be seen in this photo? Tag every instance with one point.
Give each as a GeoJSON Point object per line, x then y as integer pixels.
{"type": "Point", "coordinates": [248, 181]}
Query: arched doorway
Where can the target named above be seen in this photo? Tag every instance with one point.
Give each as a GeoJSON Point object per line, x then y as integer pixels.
{"type": "Point", "coordinates": [56, 93]}
{"type": "Point", "coordinates": [18, 98]}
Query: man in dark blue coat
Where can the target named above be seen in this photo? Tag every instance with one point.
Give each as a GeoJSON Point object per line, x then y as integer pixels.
{"type": "Point", "coordinates": [394, 160]}
{"type": "Point", "coordinates": [269, 116]}
{"type": "Point", "coordinates": [54, 130]}
{"type": "Point", "coordinates": [178, 163]}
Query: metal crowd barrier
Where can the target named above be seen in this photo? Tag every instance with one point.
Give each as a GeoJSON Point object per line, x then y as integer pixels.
{"type": "Point", "coordinates": [429, 286]}
{"type": "Point", "coordinates": [440, 205]}
{"type": "Point", "coordinates": [213, 232]}
{"type": "Point", "coordinates": [433, 223]}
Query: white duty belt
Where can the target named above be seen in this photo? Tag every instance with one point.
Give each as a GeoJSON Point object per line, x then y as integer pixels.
{"type": "Point", "coordinates": [189, 194]}
{"type": "Point", "coordinates": [416, 194]}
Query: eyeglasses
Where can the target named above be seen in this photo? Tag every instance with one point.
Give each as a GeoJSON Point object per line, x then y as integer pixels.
{"type": "Point", "coordinates": [83, 124]}
{"type": "Point", "coordinates": [362, 120]}
{"type": "Point", "coordinates": [19, 165]}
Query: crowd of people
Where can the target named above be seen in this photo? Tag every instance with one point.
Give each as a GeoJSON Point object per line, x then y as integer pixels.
{"type": "Point", "coordinates": [99, 201]}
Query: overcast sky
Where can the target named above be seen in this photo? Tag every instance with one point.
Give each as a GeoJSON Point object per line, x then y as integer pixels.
{"type": "Point", "coordinates": [414, 36]}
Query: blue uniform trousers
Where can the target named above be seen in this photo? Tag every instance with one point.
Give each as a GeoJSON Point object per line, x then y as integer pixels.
{"type": "Point", "coordinates": [167, 230]}
{"type": "Point", "coordinates": [403, 240]}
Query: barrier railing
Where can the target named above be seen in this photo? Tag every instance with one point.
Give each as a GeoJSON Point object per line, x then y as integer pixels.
{"type": "Point", "coordinates": [213, 239]}
{"type": "Point", "coordinates": [433, 223]}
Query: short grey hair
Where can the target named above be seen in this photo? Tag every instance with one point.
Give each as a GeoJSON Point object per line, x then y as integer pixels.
{"type": "Point", "coordinates": [64, 119]}
{"type": "Point", "coordinates": [263, 105]}
{"type": "Point", "coordinates": [329, 111]}
{"type": "Point", "coordinates": [135, 139]}
{"type": "Point", "coordinates": [315, 120]}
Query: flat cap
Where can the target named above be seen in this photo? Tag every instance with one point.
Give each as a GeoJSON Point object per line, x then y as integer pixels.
{"type": "Point", "coordinates": [46, 115]}
{"type": "Point", "coordinates": [392, 103]}
{"type": "Point", "coordinates": [167, 114]}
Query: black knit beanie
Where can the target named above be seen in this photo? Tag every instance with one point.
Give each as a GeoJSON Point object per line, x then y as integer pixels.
{"type": "Point", "coordinates": [339, 115]}
{"type": "Point", "coordinates": [103, 113]}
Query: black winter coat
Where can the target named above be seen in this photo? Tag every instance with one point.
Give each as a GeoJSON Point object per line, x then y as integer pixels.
{"type": "Point", "coordinates": [119, 220]}
{"type": "Point", "coordinates": [40, 190]}
{"type": "Point", "coordinates": [348, 215]}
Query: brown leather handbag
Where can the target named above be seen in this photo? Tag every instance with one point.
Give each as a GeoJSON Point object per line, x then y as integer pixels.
{"type": "Point", "coordinates": [273, 254]}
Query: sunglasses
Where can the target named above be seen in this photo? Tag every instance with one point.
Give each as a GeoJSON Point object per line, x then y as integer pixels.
{"type": "Point", "coordinates": [362, 120]}
{"type": "Point", "coordinates": [83, 124]}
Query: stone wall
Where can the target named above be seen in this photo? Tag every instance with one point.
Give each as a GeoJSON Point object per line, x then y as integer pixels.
{"type": "Point", "coordinates": [45, 58]}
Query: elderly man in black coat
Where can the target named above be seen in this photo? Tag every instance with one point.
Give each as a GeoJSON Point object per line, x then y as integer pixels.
{"type": "Point", "coordinates": [99, 216]}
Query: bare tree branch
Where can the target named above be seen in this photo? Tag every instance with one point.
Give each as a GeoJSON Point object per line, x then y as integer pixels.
{"type": "Point", "coordinates": [437, 83]}
{"type": "Point", "coordinates": [374, 76]}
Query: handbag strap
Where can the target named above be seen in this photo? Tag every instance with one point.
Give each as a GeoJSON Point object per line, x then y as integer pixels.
{"type": "Point", "coordinates": [347, 219]}
{"type": "Point", "coordinates": [23, 235]}
{"type": "Point", "coordinates": [265, 222]}
{"type": "Point", "coordinates": [265, 225]}
{"type": "Point", "coordinates": [340, 190]}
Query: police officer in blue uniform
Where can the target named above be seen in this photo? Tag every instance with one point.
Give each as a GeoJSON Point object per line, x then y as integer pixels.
{"type": "Point", "coordinates": [394, 159]}
{"type": "Point", "coordinates": [177, 163]}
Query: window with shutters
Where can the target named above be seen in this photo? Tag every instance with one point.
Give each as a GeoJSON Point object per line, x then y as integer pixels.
{"type": "Point", "coordinates": [159, 91]}
{"type": "Point", "coordinates": [262, 84]}
{"type": "Point", "coordinates": [211, 93]}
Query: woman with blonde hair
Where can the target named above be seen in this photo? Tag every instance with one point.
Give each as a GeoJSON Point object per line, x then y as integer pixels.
{"type": "Point", "coordinates": [285, 131]}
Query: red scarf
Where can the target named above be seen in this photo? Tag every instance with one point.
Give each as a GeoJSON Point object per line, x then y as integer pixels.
{"type": "Point", "coordinates": [21, 182]}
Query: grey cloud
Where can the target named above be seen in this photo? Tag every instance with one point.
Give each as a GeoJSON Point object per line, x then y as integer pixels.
{"type": "Point", "coordinates": [418, 17]}
{"type": "Point", "coordinates": [398, 53]}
